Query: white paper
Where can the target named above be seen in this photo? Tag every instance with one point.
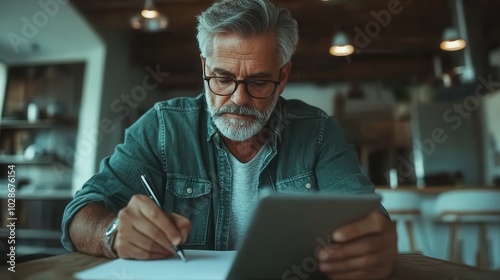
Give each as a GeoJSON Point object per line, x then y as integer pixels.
{"type": "Point", "coordinates": [201, 264]}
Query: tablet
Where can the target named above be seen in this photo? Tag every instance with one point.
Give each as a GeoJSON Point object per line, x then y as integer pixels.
{"type": "Point", "coordinates": [287, 230]}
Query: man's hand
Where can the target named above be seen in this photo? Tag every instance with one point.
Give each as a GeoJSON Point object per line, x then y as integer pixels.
{"type": "Point", "coordinates": [365, 249]}
{"type": "Point", "coordinates": [146, 232]}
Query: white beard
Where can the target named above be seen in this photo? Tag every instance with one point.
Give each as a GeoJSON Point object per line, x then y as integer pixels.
{"type": "Point", "coordinates": [238, 129]}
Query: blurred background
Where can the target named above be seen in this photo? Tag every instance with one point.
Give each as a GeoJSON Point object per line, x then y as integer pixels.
{"type": "Point", "coordinates": [414, 84]}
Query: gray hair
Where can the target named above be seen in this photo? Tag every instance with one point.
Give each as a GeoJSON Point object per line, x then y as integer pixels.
{"type": "Point", "coordinates": [247, 18]}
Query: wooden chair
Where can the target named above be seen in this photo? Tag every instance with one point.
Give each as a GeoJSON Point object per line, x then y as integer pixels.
{"type": "Point", "coordinates": [404, 208]}
{"type": "Point", "coordinates": [476, 207]}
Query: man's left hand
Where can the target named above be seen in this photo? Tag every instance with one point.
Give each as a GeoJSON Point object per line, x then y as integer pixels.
{"type": "Point", "coordinates": [365, 249]}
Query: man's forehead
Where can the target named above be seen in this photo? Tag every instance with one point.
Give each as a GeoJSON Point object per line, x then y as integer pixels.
{"type": "Point", "coordinates": [260, 49]}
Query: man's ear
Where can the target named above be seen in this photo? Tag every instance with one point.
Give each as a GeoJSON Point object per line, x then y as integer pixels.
{"type": "Point", "coordinates": [285, 72]}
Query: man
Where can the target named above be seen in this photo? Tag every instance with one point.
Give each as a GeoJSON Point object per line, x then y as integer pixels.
{"type": "Point", "coordinates": [209, 158]}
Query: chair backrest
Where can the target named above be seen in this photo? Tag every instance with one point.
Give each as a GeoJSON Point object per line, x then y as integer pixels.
{"type": "Point", "coordinates": [468, 205]}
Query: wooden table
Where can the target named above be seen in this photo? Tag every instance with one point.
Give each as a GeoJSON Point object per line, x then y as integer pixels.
{"type": "Point", "coordinates": [409, 267]}
{"type": "Point", "coordinates": [435, 189]}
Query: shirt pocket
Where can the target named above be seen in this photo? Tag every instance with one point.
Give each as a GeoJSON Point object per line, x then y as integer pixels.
{"type": "Point", "coordinates": [190, 197]}
{"type": "Point", "coordinates": [302, 183]}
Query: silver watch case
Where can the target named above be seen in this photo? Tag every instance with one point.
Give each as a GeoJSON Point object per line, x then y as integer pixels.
{"type": "Point", "coordinates": [110, 235]}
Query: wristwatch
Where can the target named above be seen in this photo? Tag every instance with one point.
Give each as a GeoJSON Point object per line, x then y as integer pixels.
{"type": "Point", "coordinates": [110, 237]}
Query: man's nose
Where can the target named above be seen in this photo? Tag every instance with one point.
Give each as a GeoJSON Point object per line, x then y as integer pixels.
{"type": "Point", "coordinates": [240, 97]}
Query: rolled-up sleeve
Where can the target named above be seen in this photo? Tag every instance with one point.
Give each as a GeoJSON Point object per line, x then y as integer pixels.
{"type": "Point", "coordinates": [119, 176]}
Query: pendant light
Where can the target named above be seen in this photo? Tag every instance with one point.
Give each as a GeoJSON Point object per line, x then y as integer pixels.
{"type": "Point", "coordinates": [452, 41]}
{"type": "Point", "coordinates": [341, 45]}
{"type": "Point", "coordinates": [150, 19]}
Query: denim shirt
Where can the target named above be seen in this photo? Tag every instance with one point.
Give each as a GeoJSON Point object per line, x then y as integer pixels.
{"type": "Point", "coordinates": [177, 146]}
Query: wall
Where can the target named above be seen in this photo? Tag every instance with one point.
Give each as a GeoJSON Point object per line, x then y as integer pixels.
{"type": "Point", "coordinates": [495, 57]}
{"type": "Point", "coordinates": [45, 32]}
{"type": "Point", "coordinates": [316, 95]}
{"type": "Point", "coordinates": [492, 145]}
{"type": "Point", "coordinates": [492, 117]}
{"type": "Point", "coordinates": [3, 84]}
{"type": "Point", "coordinates": [126, 95]}
{"type": "Point", "coordinates": [455, 142]}
{"type": "Point", "coordinates": [376, 97]}
{"type": "Point", "coordinates": [116, 82]}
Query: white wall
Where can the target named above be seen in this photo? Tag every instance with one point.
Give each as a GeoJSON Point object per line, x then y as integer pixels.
{"type": "Point", "coordinates": [88, 128]}
{"type": "Point", "coordinates": [319, 96]}
{"type": "Point", "coordinates": [52, 31]}
{"type": "Point", "coordinates": [56, 28]}
{"type": "Point", "coordinates": [491, 115]}
{"type": "Point", "coordinates": [495, 57]}
{"type": "Point", "coordinates": [492, 135]}
{"type": "Point", "coordinates": [376, 98]}
{"type": "Point", "coordinates": [3, 84]}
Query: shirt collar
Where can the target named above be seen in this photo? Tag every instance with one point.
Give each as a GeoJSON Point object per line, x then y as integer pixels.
{"type": "Point", "coordinates": [212, 129]}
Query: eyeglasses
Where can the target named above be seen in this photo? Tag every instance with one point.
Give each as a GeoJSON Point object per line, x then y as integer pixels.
{"type": "Point", "coordinates": [259, 89]}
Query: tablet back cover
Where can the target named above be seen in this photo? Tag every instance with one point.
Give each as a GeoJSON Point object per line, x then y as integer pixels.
{"type": "Point", "coordinates": [288, 229]}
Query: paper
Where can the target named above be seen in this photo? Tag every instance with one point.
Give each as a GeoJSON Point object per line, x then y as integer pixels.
{"type": "Point", "coordinates": [201, 264]}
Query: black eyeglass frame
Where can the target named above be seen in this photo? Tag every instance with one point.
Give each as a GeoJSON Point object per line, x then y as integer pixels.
{"type": "Point", "coordinates": [238, 82]}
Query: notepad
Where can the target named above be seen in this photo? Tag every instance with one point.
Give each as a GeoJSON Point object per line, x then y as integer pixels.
{"type": "Point", "coordinates": [201, 264]}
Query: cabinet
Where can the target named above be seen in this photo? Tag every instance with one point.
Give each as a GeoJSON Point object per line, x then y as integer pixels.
{"type": "Point", "coordinates": [38, 128]}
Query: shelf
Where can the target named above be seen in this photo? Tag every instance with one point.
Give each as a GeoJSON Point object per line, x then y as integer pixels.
{"type": "Point", "coordinates": [24, 250]}
{"type": "Point", "coordinates": [44, 123]}
{"type": "Point", "coordinates": [20, 159]}
{"type": "Point", "coordinates": [36, 193]}
{"type": "Point", "coordinates": [33, 233]}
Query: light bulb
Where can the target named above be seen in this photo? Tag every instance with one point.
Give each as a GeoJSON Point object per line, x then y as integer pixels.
{"type": "Point", "coordinates": [341, 50]}
{"type": "Point", "coordinates": [454, 45]}
{"type": "Point", "coordinates": [149, 13]}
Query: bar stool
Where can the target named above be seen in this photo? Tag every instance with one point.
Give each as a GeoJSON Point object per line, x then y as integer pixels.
{"type": "Point", "coordinates": [474, 207]}
{"type": "Point", "coordinates": [404, 208]}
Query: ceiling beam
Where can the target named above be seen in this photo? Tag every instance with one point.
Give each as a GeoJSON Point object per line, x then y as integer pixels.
{"type": "Point", "coordinates": [401, 50]}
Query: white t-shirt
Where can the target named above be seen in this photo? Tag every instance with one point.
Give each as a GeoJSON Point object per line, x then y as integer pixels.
{"type": "Point", "coordinates": [245, 193]}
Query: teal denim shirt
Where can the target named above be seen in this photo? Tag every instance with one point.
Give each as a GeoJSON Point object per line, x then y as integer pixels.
{"type": "Point", "coordinates": [177, 146]}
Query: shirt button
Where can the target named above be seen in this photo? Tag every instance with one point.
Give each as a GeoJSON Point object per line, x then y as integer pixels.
{"type": "Point", "coordinates": [308, 185]}
{"type": "Point", "coordinates": [189, 190]}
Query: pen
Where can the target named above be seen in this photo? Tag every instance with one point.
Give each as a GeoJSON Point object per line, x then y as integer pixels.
{"type": "Point", "coordinates": [151, 193]}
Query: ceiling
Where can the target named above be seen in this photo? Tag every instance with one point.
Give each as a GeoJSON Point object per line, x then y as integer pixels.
{"type": "Point", "coordinates": [402, 50]}
{"type": "Point", "coordinates": [45, 43]}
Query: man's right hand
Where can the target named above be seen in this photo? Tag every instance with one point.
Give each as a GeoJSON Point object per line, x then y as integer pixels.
{"type": "Point", "coordinates": [147, 232]}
